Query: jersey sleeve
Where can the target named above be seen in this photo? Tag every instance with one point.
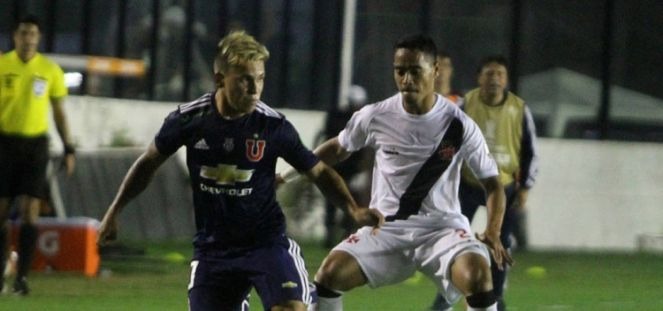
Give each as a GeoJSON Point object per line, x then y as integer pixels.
{"type": "Point", "coordinates": [170, 137]}
{"type": "Point", "coordinates": [355, 134]}
{"type": "Point", "coordinates": [293, 150]}
{"type": "Point", "coordinates": [58, 89]}
{"type": "Point", "coordinates": [476, 151]}
{"type": "Point", "coordinates": [529, 157]}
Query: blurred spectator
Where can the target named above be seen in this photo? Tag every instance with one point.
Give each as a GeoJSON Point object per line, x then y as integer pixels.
{"type": "Point", "coordinates": [507, 124]}
{"type": "Point", "coordinates": [443, 80]}
{"type": "Point", "coordinates": [171, 42]}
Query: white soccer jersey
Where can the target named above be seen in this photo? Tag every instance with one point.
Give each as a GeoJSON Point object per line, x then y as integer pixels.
{"type": "Point", "coordinates": [418, 159]}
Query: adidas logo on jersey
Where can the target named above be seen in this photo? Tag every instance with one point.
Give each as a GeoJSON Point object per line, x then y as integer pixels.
{"type": "Point", "coordinates": [201, 144]}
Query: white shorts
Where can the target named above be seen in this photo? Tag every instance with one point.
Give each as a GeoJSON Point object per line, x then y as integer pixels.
{"type": "Point", "coordinates": [395, 253]}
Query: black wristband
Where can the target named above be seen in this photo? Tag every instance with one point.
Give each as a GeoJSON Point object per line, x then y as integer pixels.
{"type": "Point", "coordinates": [69, 149]}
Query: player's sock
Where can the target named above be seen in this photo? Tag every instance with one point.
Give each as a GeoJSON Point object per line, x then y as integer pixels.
{"type": "Point", "coordinates": [27, 239]}
{"type": "Point", "coordinates": [3, 249]}
{"type": "Point", "coordinates": [482, 301]}
{"type": "Point", "coordinates": [328, 299]}
{"type": "Point", "coordinates": [3, 254]}
{"type": "Point", "coordinates": [489, 308]}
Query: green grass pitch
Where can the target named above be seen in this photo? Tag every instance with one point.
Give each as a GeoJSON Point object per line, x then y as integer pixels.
{"type": "Point", "coordinates": [572, 281]}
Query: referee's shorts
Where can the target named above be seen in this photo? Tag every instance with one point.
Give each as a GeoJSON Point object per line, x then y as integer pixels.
{"type": "Point", "coordinates": [23, 162]}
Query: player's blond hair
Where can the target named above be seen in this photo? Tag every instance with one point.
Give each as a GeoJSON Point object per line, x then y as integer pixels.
{"type": "Point", "coordinates": [238, 47]}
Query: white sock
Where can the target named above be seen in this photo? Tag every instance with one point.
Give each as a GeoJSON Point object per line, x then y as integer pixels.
{"type": "Point", "coordinates": [331, 304]}
{"type": "Point", "coordinates": [492, 307]}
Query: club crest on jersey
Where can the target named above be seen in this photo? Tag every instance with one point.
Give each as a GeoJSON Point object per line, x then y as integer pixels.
{"type": "Point", "coordinates": [228, 144]}
{"type": "Point", "coordinates": [446, 151]}
{"type": "Point", "coordinates": [255, 149]}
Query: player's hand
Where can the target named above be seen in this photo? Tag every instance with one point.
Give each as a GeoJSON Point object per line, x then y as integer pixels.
{"type": "Point", "coordinates": [368, 217]}
{"type": "Point", "coordinates": [499, 253]}
{"type": "Point", "coordinates": [107, 230]}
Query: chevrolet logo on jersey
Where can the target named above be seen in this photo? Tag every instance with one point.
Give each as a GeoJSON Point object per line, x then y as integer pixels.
{"type": "Point", "coordinates": [225, 174]}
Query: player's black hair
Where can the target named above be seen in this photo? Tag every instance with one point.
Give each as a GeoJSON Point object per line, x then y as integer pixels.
{"type": "Point", "coordinates": [499, 59]}
{"type": "Point", "coordinates": [419, 42]}
{"type": "Point", "coordinates": [27, 19]}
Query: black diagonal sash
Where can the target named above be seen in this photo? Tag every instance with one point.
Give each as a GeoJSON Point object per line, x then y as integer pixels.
{"type": "Point", "coordinates": [430, 172]}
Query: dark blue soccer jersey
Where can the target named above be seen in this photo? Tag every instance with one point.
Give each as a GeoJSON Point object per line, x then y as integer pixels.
{"type": "Point", "coordinates": [232, 167]}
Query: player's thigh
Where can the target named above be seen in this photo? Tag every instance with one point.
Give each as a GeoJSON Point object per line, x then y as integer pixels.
{"type": "Point", "coordinates": [9, 162]}
{"type": "Point", "coordinates": [340, 271]}
{"type": "Point", "coordinates": [211, 288]}
{"type": "Point", "coordinates": [279, 275]}
{"type": "Point", "coordinates": [383, 258]}
{"type": "Point", "coordinates": [470, 273]}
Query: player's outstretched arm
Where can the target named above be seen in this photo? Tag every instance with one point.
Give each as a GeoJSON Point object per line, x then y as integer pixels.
{"type": "Point", "coordinates": [496, 205]}
{"type": "Point", "coordinates": [330, 152]}
{"type": "Point", "coordinates": [136, 180]}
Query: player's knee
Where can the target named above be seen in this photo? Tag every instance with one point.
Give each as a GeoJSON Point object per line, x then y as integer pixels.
{"type": "Point", "coordinates": [29, 209]}
{"type": "Point", "coordinates": [471, 274]}
{"type": "Point", "coordinates": [328, 275]}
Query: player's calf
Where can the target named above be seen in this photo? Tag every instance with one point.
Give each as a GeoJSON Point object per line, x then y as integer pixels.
{"type": "Point", "coordinates": [470, 273]}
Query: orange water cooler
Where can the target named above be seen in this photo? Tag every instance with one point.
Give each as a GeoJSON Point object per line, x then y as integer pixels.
{"type": "Point", "coordinates": [68, 244]}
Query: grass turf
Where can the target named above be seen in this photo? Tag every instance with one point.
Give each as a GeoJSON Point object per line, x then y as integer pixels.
{"type": "Point", "coordinates": [572, 281]}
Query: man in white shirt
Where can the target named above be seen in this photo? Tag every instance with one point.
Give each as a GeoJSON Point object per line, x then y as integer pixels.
{"type": "Point", "coordinates": [420, 141]}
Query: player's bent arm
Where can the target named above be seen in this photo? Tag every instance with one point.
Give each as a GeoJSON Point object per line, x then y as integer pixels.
{"type": "Point", "coordinates": [136, 180]}
{"type": "Point", "coordinates": [496, 206]}
{"type": "Point", "coordinates": [495, 203]}
{"type": "Point", "coordinates": [330, 152]}
{"type": "Point", "coordinates": [333, 187]}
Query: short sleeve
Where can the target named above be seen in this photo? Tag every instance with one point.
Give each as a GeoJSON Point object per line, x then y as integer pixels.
{"type": "Point", "coordinates": [58, 89]}
{"type": "Point", "coordinates": [170, 136]}
{"type": "Point", "coordinates": [293, 150]}
{"type": "Point", "coordinates": [476, 151]}
{"type": "Point", "coordinates": [355, 134]}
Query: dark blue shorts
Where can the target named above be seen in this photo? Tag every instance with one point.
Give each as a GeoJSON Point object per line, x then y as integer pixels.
{"type": "Point", "coordinates": [276, 271]}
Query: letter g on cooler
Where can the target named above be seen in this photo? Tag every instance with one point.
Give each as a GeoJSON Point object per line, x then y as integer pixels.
{"type": "Point", "coordinates": [49, 243]}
